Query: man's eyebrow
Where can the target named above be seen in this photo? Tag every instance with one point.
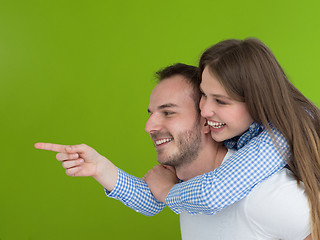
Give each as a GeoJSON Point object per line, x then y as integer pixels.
{"type": "Point", "coordinates": [167, 105]}
{"type": "Point", "coordinates": [164, 106]}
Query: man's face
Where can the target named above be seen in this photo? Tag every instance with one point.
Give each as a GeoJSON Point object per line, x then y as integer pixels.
{"type": "Point", "coordinates": [173, 124]}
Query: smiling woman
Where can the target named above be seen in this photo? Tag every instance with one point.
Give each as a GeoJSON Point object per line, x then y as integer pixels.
{"type": "Point", "coordinates": [226, 116]}
{"type": "Point", "coordinates": [245, 75]}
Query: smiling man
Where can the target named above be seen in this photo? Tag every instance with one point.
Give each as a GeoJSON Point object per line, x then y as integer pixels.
{"type": "Point", "coordinates": [175, 125]}
{"type": "Point", "coordinates": [185, 149]}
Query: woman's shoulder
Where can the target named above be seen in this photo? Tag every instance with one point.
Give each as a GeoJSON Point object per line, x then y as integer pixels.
{"type": "Point", "coordinates": [270, 133]}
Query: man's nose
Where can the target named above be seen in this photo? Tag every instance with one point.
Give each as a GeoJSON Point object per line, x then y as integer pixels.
{"type": "Point", "coordinates": [153, 124]}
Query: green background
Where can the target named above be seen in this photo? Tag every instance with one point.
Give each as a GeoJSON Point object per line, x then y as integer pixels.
{"type": "Point", "coordinates": [81, 72]}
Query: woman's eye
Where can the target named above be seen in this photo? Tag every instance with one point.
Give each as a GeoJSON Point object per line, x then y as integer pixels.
{"type": "Point", "coordinates": [202, 94]}
{"type": "Point", "coordinates": [220, 102]}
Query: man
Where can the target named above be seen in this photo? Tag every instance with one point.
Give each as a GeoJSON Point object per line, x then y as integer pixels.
{"type": "Point", "coordinates": [182, 141]}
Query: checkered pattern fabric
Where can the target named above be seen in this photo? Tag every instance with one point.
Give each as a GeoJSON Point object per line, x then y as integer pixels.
{"type": "Point", "coordinates": [135, 193]}
{"type": "Point", "coordinates": [254, 161]}
{"type": "Point", "coordinates": [257, 158]}
{"type": "Point", "coordinates": [239, 141]}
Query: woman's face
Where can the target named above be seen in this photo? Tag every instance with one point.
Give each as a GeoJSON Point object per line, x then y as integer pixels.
{"type": "Point", "coordinates": [226, 117]}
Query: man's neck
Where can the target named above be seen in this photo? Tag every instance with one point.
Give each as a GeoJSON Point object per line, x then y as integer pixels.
{"type": "Point", "coordinates": [210, 157]}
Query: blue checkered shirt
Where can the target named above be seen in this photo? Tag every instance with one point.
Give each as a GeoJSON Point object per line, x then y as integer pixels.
{"type": "Point", "coordinates": [257, 158]}
{"type": "Point", "coordinates": [135, 193]}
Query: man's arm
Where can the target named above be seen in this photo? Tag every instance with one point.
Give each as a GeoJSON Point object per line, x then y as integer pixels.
{"type": "Point", "coordinates": [82, 160]}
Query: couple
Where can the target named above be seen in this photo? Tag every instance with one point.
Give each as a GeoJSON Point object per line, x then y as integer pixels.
{"type": "Point", "coordinates": [275, 209]}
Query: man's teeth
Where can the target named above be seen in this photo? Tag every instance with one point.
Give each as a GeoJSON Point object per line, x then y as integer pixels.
{"type": "Point", "coordinates": [215, 124]}
{"type": "Point", "coordinates": [161, 141]}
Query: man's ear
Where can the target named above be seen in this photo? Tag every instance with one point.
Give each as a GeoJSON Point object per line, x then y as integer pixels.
{"type": "Point", "coordinates": [205, 126]}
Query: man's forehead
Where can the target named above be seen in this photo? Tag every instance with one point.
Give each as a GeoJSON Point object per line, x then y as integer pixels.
{"type": "Point", "coordinates": [171, 92]}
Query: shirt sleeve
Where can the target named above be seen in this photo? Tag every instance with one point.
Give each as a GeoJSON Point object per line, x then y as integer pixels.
{"type": "Point", "coordinates": [233, 180]}
{"type": "Point", "coordinates": [135, 193]}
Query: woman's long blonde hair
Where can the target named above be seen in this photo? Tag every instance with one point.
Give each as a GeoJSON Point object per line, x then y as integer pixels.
{"type": "Point", "coordinates": [249, 72]}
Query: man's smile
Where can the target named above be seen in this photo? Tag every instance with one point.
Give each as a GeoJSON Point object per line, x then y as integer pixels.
{"type": "Point", "coordinates": [159, 142]}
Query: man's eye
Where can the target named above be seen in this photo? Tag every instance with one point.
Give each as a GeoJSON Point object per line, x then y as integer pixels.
{"type": "Point", "coordinates": [168, 113]}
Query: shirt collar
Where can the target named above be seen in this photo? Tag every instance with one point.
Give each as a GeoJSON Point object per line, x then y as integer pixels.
{"type": "Point", "coordinates": [239, 141]}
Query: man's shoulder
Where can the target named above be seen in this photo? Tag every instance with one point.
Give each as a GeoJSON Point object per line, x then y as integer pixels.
{"type": "Point", "coordinates": [278, 199]}
{"type": "Point", "coordinates": [280, 186]}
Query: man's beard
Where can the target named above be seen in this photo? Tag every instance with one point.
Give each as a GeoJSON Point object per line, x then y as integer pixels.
{"type": "Point", "coordinates": [188, 144]}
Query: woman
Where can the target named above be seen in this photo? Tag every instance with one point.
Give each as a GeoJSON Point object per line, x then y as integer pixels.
{"type": "Point", "coordinates": [250, 74]}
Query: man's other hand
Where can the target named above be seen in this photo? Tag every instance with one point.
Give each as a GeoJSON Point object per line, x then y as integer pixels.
{"type": "Point", "coordinates": [160, 179]}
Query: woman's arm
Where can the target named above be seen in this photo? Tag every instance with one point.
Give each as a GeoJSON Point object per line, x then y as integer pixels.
{"type": "Point", "coordinates": [233, 180]}
{"type": "Point", "coordinates": [135, 193]}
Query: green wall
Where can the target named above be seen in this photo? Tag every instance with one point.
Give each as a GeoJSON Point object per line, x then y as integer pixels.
{"type": "Point", "coordinates": [81, 72]}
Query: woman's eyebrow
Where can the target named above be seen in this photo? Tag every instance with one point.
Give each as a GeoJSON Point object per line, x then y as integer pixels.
{"type": "Point", "coordinates": [216, 95]}
{"type": "Point", "coordinates": [221, 96]}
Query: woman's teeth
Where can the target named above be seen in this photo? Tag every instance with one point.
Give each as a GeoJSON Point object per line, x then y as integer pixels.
{"type": "Point", "coordinates": [215, 124]}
